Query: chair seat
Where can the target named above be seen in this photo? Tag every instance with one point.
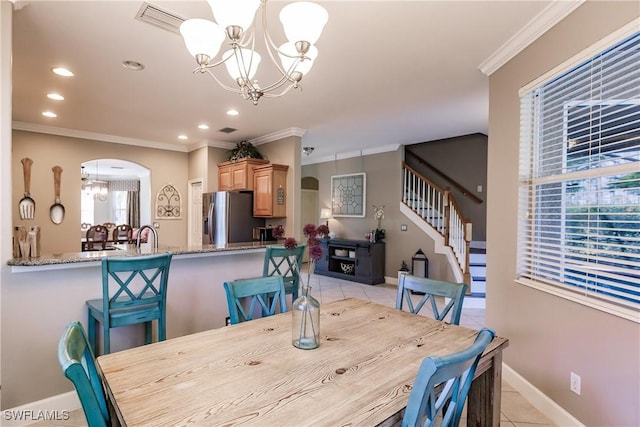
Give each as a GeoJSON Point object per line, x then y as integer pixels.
{"type": "Point", "coordinates": [126, 315]}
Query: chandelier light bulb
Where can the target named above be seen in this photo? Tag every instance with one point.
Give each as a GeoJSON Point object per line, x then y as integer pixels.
{"type": "Point", "coordinates": [303, 21]}
{"type": "Point", "coordinates": [202, 37]}
{"type": "Point", "coordinates": [289, 56]}
{"type": "Point", "coordinates": [242, 66]}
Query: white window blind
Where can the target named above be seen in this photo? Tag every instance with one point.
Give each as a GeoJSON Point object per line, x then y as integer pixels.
{"type": "Point", "coordinates": [579, 229]}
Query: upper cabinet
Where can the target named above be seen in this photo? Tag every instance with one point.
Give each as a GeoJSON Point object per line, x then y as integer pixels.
{"type": "Point", "coordinates": [270, 191]}
{"type": "Point", "coordinates": [238, 175]}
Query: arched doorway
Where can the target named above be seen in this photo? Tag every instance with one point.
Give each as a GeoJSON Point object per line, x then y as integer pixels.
{"type": "Point", "coordinates": [116, 191]}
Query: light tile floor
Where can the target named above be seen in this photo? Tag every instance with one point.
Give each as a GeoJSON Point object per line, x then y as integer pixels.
{"type": "Point", "coordinates": [516, 411]}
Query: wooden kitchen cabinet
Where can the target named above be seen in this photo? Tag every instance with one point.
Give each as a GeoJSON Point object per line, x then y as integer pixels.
{"type": "Point", "coordinates": [270, 191]}
{"type": "Point", "coordinates": [238, 175]}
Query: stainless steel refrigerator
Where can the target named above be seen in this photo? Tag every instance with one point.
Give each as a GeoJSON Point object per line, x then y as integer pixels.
{"type": "Point", "coordinates": [228, 218]}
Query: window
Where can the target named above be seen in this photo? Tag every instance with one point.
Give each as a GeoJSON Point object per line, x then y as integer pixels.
{"type": "Point", "coordinates": [119, 206]}
{"type": "Point", "coordinates": [579, 229]}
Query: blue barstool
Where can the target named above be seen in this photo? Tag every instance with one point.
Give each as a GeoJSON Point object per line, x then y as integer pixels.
{"type": "Point", "coordinates": [140, 297]}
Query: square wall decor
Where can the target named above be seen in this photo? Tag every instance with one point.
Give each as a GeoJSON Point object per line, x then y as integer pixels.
{"type": "Point", "coordinates": [348, 194]}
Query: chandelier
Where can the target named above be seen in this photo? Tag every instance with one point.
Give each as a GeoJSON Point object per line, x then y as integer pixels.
{"type": "Point", "coordinates": [99, 189]}
{"type": "Point", "coordinates": [303, 23]}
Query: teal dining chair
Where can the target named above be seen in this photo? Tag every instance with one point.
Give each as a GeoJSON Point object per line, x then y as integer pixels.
{"type": "Point", "coordinates": [79, 366]}
{"type": "Point", "coordinates": [442, 385]}
{"type": "Point", "coordinates": [431, 289]}
{"type": "Point", "coordinates": [139, 296]}
{"type": "Point", "coordinates": [284, 262]}
{"type": "Point", "coordinates": [245, 297]}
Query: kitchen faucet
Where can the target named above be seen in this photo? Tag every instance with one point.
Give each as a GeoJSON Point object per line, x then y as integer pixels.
{"type": "Point", "coordinates": [153, 231]}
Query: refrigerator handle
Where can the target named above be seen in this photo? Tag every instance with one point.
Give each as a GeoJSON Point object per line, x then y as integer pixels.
{"type": "Point", "coordinates": [209, 225]}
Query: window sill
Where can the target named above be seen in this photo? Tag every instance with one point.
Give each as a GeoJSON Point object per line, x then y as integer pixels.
{"type": "Point", "coordinates": [583, 299]}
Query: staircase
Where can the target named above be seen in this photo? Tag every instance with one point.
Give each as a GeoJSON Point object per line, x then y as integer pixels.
{"type": "Point", "coordinates": [478, 268]}
{"type": "Point", "coordinates": [435, 211]}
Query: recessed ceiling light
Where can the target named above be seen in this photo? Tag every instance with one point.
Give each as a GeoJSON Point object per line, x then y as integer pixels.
{"type": "Point", "coordinates": [232, 112]}
{"type": "Point", "coordinates": [62, 72]}
{"type": "Point", "coordinates": [133, 65]}
{"type": "Point", "coordinates": [203, 126]}
{"type": "Point", "coordinates": [49, 114]}
{"type": "Point", "coordinates": [55, 96]}
{"type": "Point", "coordinates": [183, 137]}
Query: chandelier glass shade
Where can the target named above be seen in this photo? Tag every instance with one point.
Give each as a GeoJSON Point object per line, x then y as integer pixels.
{"type": "Point", "coordinates": [302, 21]}
{"type": "Point", "coordinates": [99, 189]}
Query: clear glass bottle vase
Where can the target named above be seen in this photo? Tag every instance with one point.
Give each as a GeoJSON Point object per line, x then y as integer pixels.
{"type": "Point", "coordinates": [305, 331]}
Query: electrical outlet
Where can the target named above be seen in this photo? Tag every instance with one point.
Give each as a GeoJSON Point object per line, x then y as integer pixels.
{"type": "Point", "coordinates": [403, 227]}
{"type": "Point", "coordinates": [156, 225]}
{"type": "Point", "coordinates": [575, 383]}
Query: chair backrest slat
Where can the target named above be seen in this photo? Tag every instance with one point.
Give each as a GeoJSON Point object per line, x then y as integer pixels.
{"type": "Point", "coordinates": [442, 385]}
{"type": "Point", "coordinates": [149, 273]}
{"type": "Point", "coordinates": [78, 364]}
{"type": "Point", "coordinates": [431, 289]}
{"type": "Point", "coordinates": [266, 293]}
{"type": "Point", "coordinates": [279, 261]}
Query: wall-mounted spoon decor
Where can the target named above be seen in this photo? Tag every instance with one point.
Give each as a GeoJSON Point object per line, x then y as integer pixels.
{"type": "Point", "coordinates": [56, 212]}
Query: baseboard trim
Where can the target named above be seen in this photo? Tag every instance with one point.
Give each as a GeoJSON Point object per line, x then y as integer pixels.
{"type": "Point", "coordinates": [538, 399]}
{"type": "Point", "coordinates": [52, 407]}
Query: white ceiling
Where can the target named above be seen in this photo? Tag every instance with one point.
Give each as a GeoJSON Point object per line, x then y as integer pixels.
{"type": "Point", "coordinates": [388, 72]}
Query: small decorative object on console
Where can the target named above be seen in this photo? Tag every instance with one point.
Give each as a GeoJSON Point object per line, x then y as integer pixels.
{"type": "Point", "coordinates": [347, 268]}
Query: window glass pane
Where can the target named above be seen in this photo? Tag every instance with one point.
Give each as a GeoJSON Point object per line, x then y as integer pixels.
{"type": "Point", "coordinates": [119, 203]}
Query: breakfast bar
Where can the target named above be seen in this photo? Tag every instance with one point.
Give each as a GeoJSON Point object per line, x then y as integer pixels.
{"type": "Point", "coordinates": [41, 295]}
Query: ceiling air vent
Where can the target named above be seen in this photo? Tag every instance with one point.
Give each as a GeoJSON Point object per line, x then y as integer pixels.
{"type": "Point", "coordinates": [152, 14]}
{"type": "Point", "coordinates": [227, 130]}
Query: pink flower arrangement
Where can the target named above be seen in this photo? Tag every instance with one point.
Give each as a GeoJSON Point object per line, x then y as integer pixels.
{"type": "Point", "coordinates": [313, 234]}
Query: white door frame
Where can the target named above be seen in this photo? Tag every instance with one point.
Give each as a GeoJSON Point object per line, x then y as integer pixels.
{"type": "Point", "coordinates": [190, 200]}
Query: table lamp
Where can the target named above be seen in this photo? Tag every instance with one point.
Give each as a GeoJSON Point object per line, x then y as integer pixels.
{"type": "Point", "coordinates": [325, 213]}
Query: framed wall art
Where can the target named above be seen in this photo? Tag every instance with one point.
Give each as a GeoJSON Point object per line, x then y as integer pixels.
{"type": "Point", "coordinates": [348, 195]}
{"type": "Point", "coordinates": [168, 203]}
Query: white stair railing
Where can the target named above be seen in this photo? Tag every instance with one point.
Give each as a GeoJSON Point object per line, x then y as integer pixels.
{"type": "Point", "coordinates": [439, 209]}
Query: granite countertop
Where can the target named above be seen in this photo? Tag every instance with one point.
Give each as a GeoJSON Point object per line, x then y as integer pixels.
{"type": "Point", "coordinates": [129, 251]}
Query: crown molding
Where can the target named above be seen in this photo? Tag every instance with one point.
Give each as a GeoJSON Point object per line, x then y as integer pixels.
{"type": "Point", "coordinates": [207, 143]}
{"type": "Point", "coordinates": [281, 134]}
{"type": "Point", "coordinates": [540, 24]}
{"type": "Point", "coordinates": [31, 127]}
{"type": "Point", "coordinates": [307, 160]}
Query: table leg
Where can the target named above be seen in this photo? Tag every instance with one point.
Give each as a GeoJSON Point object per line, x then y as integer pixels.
{"type": "Point", "coordinates": [483, 406]}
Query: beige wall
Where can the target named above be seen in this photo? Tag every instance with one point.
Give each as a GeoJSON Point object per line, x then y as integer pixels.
{"type": "Point", "coordinates": [549, 336]}
{"type": "Point", "coordinates": [215, 156]}
{"type": "Point", "coordinates": [50, 150]}
{"type": "Point", "coordinates": [384, 187]}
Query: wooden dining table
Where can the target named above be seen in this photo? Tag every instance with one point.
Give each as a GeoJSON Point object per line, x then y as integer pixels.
{"type": "Point", "coordinates": [250, 373]}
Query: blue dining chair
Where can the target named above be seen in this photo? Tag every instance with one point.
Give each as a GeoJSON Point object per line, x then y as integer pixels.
{"type": "Point", "coordinates": [442, 384]}
{"type": "Point", "coordinates": [140, 296]}
{"type": "Point", "coordinates": [265, 294]}
{"type": "Point", "coordinates": [286, 263]}
{"type": "Point", "coordinates": [79, 366]}
{"type": "Point", "coordinates": [431, 289]}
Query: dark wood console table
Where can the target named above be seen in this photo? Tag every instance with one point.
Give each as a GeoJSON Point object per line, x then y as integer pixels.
{"type": "Point", "coordinates": [356, 260]}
